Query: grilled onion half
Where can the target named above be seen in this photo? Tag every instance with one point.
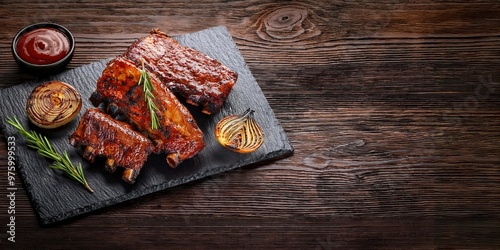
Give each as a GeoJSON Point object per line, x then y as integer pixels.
{"type": "Point", "coordinates": [239, 133]}
{"type": "Point", "coordinates": [53, 104]}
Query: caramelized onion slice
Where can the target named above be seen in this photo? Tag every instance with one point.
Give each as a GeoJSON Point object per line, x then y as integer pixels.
{"type": "Point", "coordinates": [53, 104]}
{"type": "Point", "coordinates": [239, 133]}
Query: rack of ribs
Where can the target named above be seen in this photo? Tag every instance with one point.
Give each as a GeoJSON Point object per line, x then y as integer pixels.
{"type": "Point", "coordinates": [102, 135]}
{"type": "Point", "coordinates": [178, 135]}
{"type": "Point", "coordinates": [199, 79]}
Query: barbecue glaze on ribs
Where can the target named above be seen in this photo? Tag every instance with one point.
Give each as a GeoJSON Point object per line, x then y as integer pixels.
{"type": "Point", "coordinates": [178, 134]}
{"type": "Point", "coordinates": [201, 80]}
{"type": "Point", "coordinates": [101, 135]}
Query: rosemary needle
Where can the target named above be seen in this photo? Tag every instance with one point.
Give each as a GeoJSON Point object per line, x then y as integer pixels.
{"type": "Point", "coordinates": [145, 80]}
{"type": "Point", "coordinates": [45, 148]}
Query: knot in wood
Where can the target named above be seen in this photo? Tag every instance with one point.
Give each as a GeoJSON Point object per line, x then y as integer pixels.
{"type": "Point", "coordinates": [287, 24]}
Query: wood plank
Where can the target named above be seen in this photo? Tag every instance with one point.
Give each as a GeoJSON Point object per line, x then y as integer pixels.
{"type": "Point", "coordinates": [393, 109]}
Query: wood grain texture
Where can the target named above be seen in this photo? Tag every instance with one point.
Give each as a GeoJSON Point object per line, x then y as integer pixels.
{"type": "Point", "coordinates": [393, 109]}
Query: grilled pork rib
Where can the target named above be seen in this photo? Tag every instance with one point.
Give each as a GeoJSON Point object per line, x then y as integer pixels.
{"type": "Point", "coordinates": [178, 135]}
{"type": "Point", "coordinates": [201, 80]}
{"type": "Point", "coordinates": [103, 136]}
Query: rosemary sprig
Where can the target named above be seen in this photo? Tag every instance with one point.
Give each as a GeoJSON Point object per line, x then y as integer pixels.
{"type": "Point", "coordinates": [145, 80]}
{"type": "Point", "coordinates": [45, 148]}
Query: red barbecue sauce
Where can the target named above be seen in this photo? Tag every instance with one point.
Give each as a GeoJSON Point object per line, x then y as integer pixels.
{"type": "Point", "coordinates": [42, 46]}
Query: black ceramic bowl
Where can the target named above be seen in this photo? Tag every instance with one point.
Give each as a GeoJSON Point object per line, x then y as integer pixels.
{"type": "Point", "coordinates": [51, 67]}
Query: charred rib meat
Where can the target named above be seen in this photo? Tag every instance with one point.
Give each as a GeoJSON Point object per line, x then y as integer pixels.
{"type": "Point", "coordinates": [201, 80]}
{"type": "Point", "coordinates": [103, 136]}
{"type": "Point", "coordinates": [178, 135]}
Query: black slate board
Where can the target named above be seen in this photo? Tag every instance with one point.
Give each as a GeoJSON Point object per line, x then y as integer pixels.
{"type": "Point", "coordinates": [55, 197]}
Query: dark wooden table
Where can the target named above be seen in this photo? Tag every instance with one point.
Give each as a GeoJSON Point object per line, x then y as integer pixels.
{"type": "Point", "coordinates": [393, 108]}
